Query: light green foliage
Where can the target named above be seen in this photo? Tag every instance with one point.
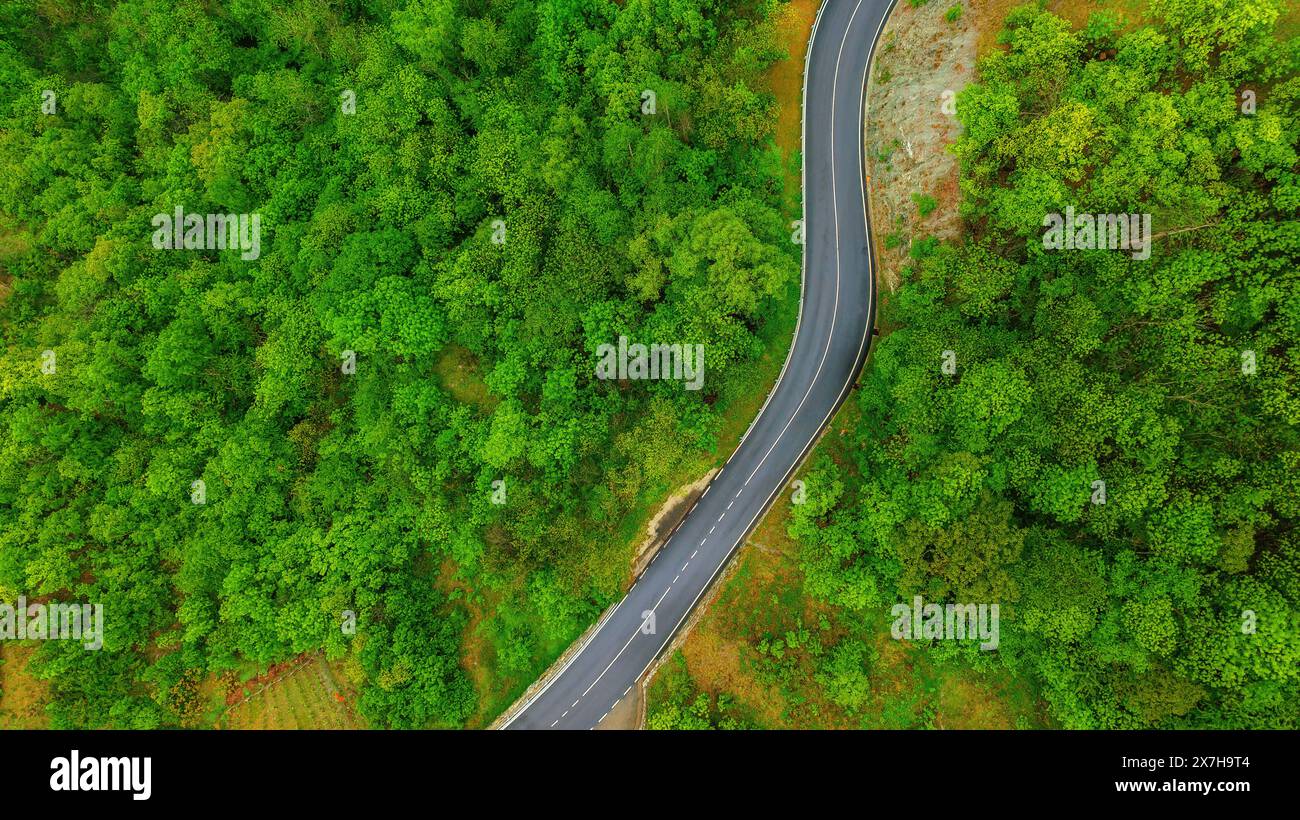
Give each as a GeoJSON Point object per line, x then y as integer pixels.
{"type": "Point", "coordinates": [842, 673]}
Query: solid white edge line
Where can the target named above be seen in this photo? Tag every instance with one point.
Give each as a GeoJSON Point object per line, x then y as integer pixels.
{"type": "Point", "coordinates": [866, 334]}
{"type": "Point", "coordinates": [803, 161]}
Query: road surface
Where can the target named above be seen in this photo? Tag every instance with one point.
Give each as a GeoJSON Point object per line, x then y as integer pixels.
{"type": "Point", "coordinates": [836, 314]}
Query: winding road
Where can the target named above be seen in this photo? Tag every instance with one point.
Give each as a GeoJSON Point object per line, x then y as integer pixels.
{"type": "Point", "coordinates": [836, 314]}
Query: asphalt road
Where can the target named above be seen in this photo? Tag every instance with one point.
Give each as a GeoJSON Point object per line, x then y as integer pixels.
{"type": "Point", "coordinates": [830, 346]}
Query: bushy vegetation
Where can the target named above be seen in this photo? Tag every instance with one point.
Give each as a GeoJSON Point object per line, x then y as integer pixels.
{"type": "Point", "coordinates": [329, 489]}
{"type": "Point", "coordinates": [678, 705]}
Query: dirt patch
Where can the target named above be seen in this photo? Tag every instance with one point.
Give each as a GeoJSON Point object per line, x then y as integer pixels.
{"type": "Point", "coordinates": [460, 375]}
{"type": "Point", "coordinates": [22, 696]}
{"type": "Point", "coordinates": [626, 714]}
{"type": "Point", "coordinates": [964, 703]}
{"type": "Point", "coordinates": [665, 522]}
{"type": "Point", "coordinates": [922, 62]}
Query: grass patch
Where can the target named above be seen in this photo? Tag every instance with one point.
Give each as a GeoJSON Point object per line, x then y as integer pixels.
{"type": "Point", "coordinates": [458, 373]}
{"type": "Point", "coordinates": [785, 80]}
{"type": "Point", "coordinates": [22, 696]}
{"type": "Point", "coordinates": [313, 694]}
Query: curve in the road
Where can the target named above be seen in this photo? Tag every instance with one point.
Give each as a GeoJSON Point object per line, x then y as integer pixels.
{"type": "Point", "coordinates": [836, 315]}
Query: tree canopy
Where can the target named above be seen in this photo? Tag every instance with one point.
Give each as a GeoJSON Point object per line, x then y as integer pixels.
{"type": "Point", "coordinates": [1113, 458]}
{"type": "Point", "coordinates": [459, 201]}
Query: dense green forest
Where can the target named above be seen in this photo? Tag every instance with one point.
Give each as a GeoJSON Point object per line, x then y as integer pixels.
{"type": "Point", "coordinates": [1169, 596]}
{"type": "Point", "coordinates": [389, 412]}
{"type": "Point", "coordinates": [482, 182]}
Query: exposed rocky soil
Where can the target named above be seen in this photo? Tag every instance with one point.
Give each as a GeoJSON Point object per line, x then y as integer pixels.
{"type": "Point", "coordinates": [922, 62]}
